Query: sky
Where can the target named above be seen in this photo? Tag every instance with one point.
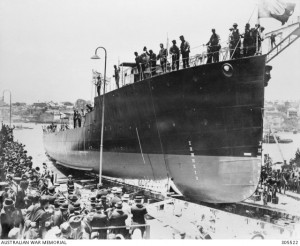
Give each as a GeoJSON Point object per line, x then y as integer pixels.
{"type": "Point", "coordinates": [46, 45]}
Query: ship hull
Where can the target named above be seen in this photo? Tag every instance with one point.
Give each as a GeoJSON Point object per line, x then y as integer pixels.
{"type": "Point", "coordinates": [198, 126]}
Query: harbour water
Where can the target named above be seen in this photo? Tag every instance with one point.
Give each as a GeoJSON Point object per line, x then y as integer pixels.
{"type": "Point", "coordinates": [33, 139]}
{"type": "Point", "coordinates": [288, 150]}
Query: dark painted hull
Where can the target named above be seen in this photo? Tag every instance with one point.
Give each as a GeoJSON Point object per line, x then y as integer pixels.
{"type": "Point", "coordinates": [197, 126]}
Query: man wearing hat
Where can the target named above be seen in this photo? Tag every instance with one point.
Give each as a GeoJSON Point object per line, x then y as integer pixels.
{"type": "Point", "coordinates": [126, 207]}
{"type": "Point", "coordinates": [52, 195]}
{"type": "Point", "coordinates": [100, 192]}
{"type": "Point", "coordinates": [72, 199]}
{"type": "Point", "coordinates": [152, 61]}
{"type": "Point", "coordinates": [57, 216]}
{"type": "Point", "coordinates": [236, 43]}
{"type": "Point", "coordinates": [64, 208]}
{"type": "Point", "coordinates": [93, 202]}
{"type": "Point", "coordinates": [66, 230]}
{"type": "Point", "coordinates": [162, 56]}
{"type": "Point", "coordinates": [118, 218]}
{"type": "Point", "coordinates": [37, 218]}
{"type": "Point", "coordinates": [77, 208]}
{"type": "Point", "coordinates": [7, 217]}
{"type": "Point", "coordinates": [105, 202]}
{"type": "Point", "coordinates": [100, 220]}
{"type": "Point", "coordinates": [175, 53]}
{"type": "Point", "coordinates": [70, 184]}
{"type": "Point", "coordinates": [247, 42]}
{"type": "Point", "coordinates": [261, 37]}
{"type": "Point", "coordinates": [117, 196]}
{"type": "Point", "coordinates": [138, 62]}
{"type": "Point", "coordinates": [214, 47]}
{"type": "Point", "coordinates": [2, 193]}
{"type": "Point", "coordinates": [185, 51]}
{"type": "Point", "coordinates": [139, 212]}
{"type": "Point", "coordinates": [21, 193]}
{"type": "Point", "coordinates": [77, 228]}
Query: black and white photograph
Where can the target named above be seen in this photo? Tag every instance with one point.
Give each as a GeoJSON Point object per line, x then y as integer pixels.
{"type": "Point", "coordinates": [148, 120]}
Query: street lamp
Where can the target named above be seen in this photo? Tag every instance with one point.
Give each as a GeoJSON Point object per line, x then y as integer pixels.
{"type": "Point", "coordinates": [103, 107]}
{"type": "Point", "coordinates": [9, 105]}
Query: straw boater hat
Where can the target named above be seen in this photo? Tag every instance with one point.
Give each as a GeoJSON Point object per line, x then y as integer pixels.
{"type": "Point", "coordinates": [8, 202]}
{"type": "Point", "coordinates": [119, 205]}
{"type": "Point", "coordinates": [65, 228]}
{"type": "Point", "coordinates": [114, 189]}
{"type": "Point", "coordinates": [125, 197]}
{"type": "Point", "coordinates": [119, 191]}
{"type": "Point", "coordinates": [75, 221]}
{"type": "Point", "coordinates": [138, 199]}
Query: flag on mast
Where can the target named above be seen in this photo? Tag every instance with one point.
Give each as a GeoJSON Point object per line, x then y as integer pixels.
{"type": "Point", "coordinates": [277, 9]}
{"type": "Point", "coordinates": [96, 74]}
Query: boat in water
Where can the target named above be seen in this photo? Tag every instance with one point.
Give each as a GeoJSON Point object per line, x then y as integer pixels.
{"type": "Point", "coordinates": [270, 139]}
{"type": "Point", "coordinates": [200, 127]}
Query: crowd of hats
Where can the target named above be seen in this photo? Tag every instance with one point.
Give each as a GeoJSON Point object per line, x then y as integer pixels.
{"type": "Point", "coordinates": [18, 174]}
{"type": "Point", "coordinates": [273, 181]}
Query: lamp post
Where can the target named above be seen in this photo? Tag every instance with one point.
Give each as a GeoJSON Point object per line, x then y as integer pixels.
{"type": "Point", "coordinates": [9, 105]}
{"type": "Point", "coordinates": [103, 108]}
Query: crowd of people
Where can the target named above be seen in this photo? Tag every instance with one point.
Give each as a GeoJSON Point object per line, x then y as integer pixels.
{"type": "Point", "coordinates": [32, 207]}
{"type": "Point", "coordinates": [277, 180]}
{"type": "Point", "coordinates": [239, 45]}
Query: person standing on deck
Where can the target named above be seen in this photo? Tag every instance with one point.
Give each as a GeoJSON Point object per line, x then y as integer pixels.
{"type": "Point", "coordinates": [185, 51]}
{"type": "Point", "coordinates": [162, 56]}
{"type": "Point", "coordinates": [152, 61]}
{"type": "Point", "coordinates": [261, 38]}
{"type": "Point", "coordinates": [175, 53]}
{"type": "Point", "coordinates": [79, 118]}
{"type": "Point", "coordinates": [138, 65]}
{"type": "Point", "coordinates": [236, 42]}
{"type": "Point", "coordinates": [214, 45]}
{"type": "Point", "coordinates": [74, 118]}
{"type": "Point", "coordinates": [247, 41]}
{"type": "Point", "coordinates": [70, 184]}
{"type": "Point", "coordinates": [117, 75]}
{"type": "Point", "coordinates": [98, 84]}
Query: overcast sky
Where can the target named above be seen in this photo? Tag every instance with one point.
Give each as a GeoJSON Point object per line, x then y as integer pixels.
{"type": "Point", "coordinates": [46, 45]}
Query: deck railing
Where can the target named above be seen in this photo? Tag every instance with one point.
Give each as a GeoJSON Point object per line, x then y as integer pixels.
{"type": "Point", "coordinates": [196, 60]}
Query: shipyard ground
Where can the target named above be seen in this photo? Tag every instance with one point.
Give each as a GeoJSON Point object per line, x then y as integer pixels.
{"type": "Point", "coordinates": [171, 216]}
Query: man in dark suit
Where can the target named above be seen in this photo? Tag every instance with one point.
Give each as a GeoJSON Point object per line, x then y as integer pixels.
{"type": "Point", "coordinates": [100, 220]}
{"type": "Point", "coordinates": [175, 53]}
{"type": "Point", "coordinates": [37, 218]}
{"type": "Point", "coordinates": [138, 214]}
{"type": "Point", "coordinates": [118, 218]}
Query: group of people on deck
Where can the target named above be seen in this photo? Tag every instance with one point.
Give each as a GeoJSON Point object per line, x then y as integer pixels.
{"type": "Point", "coordinates": [239, 45]}
{"type": "Point", "coordinates": [149, 59]}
